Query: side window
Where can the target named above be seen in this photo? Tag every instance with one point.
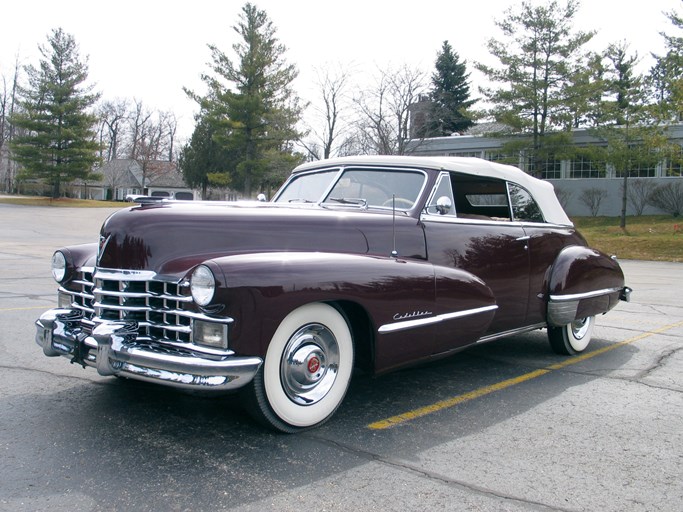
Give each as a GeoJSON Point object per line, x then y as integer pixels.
{"type": "Point", "coordinates": [480, 198]}
{"type": "Point", "coordinates": [524, 208]}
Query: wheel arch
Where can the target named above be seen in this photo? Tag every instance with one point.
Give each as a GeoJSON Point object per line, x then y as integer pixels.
{"type": "Point", "coordinates": [362, 332]}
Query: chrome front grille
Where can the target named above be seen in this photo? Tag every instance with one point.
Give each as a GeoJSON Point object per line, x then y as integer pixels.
{"type": "Point", "coordinates": [157, 306]}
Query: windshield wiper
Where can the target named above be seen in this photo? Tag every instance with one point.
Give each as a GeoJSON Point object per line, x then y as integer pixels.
{"type": "Point", "coordinates": [350, 200]}
{"type": "Point", "coordinates": [298, 200]}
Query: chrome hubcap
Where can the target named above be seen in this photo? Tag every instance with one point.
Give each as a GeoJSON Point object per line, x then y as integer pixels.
{"type": "Point", "coordinates": [309, 364]}
{"type": "Point", "coordinates": [580, 328]}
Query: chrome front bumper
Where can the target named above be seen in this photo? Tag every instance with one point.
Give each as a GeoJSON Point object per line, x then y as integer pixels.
{"type": "Point", "coordinates": [113, 348]}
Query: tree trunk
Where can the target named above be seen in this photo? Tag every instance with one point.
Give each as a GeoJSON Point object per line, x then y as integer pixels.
{"type": "Point", "coordinates": [624, 201]}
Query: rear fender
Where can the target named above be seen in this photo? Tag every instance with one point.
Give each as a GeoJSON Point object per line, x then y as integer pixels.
{"type": "Point", "coordinates": [583, 282]}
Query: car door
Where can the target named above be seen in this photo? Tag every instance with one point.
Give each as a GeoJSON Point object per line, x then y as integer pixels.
{"type": "Point", "coordinates": [545, 241]}
{"type": "Point", "coordinates": [479, 235]}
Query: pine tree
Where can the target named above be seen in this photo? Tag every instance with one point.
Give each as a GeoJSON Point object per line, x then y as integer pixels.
{"type": "Point", "coordinates": [666, 77]}
{"type": "Point", "coordinates": [450, 95]}
{"type": "Point", "coordinates": [632, 135]}
{"type": "Point", "coordinates": [59, 143]}
{"type": "Point", "coordinates": [202, 159]}
{"type": "Point", "coordinates": [254, 121]}
{"type": "Point", "coordinates": [539, 57]}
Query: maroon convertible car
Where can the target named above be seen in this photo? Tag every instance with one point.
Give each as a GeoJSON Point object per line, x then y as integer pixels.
{"type": "Point", "coordinates": [373, 262]}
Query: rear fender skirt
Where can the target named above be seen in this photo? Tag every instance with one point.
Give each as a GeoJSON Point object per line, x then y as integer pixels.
{"type": "Point", "coordinates": [583, 282]}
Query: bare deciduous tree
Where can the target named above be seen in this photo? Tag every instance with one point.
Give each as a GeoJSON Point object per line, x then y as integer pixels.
{"type": "Point", "coordinates": [639, 192]}
{"type": "Point", "coordinates": [592, 198]}
{"type": "Point", "coordinates": [8, 168]}
{"type": "Point", "coordinates": [563, 196]}
{"type": "Point", "coordinates": [384, 110]}
{"type": "Point", "coordinates": [113, 115]}
{"type": "Point", "coordinates": [329, 114]}
{"type": "Point", "coordinates": [138, 121]}
{"type": "Point", "coordinates": [668, 197]}
{"type": "Point", "coordinates": [152, 145]}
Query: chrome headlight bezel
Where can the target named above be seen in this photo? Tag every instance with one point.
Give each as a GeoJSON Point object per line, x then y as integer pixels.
{"type": "Point", "coordinates": [202, 285]}
{"type": "Point", "coordinates": [59, 266]}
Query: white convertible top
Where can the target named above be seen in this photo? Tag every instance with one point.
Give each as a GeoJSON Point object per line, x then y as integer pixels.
{"type": "Point", "coordinates": [542, 191]}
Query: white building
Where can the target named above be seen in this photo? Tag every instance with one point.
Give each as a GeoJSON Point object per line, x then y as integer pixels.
{"type": "Point", "coordinates": [571, 178]}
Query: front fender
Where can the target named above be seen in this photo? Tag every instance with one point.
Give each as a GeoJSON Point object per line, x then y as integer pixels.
{"type": "Point", "coordinates": [402, 298]}
{"type": "Point", "coordinates": [78, 256]}
{"type": "Point", "coordinates": [583, 282]}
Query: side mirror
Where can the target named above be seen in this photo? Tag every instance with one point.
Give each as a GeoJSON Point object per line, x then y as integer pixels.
{"type": "Point", "coordinates": [261, 198]}
{"type": "Point", "coordinates": [444, 205]}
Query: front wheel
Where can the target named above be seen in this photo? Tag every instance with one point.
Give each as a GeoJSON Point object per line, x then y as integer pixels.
{"type": "Point", "coordinates": [306, 371]}
{"type": "Point", "coordinates": [572, 338]}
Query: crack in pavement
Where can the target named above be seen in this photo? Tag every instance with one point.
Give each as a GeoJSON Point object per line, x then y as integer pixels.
{"type": "Point", "coordinates": [430, 475]}
{"type": "Point", "coordinates": [659, 363]}
{"type": "Point", "coordinates": [47, 372]}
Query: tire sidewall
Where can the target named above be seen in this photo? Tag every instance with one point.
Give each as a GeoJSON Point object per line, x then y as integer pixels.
{"type": "Point", "coordinates": [285, 409]}
{"type": "Point", "coordinates": [579, 344]}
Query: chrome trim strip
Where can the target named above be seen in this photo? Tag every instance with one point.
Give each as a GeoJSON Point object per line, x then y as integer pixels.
{"type": "Point", "coordinates": [586, 295]}
{"type": "Point", "coordinates": [511, 332]}
{"type": "Point", "coordinates": [125, 275]}
{"type": "Point", "coordinates": [77, 294]}
{"type": "Point", "coordinates": [178, 312]}
{"type": "Point", "coordinates": [411, 324]}
{"type": "Point", "coordinates": [142, 295]}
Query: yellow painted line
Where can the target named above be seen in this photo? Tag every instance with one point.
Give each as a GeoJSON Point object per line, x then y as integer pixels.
{"type": "Point", "coordinates": [486, 390]}
{"type": "Point", "coordinates": [47, 306]}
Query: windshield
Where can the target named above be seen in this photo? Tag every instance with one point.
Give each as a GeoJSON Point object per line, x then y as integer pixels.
{"type": "Point", "coordinates": [357, 187]}
{"type": "Point", "coordinates": [307, 188]}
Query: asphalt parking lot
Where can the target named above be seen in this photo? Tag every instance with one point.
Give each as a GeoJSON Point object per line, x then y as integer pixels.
{"type": "Point", "coordinates": [503, 426]}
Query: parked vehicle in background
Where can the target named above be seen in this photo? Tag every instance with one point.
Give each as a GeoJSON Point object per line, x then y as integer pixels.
{"type": "Point", "coordinates": [375, 262]}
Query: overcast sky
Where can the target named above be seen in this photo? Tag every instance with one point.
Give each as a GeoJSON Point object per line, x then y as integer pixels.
{"type": "Point", "coordinates": [149, 49]}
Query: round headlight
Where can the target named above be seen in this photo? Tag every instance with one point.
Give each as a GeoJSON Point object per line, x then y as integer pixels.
{"type": "Point", "coordinates": [202, 285]}
{"type": "Point", "coordinates": [58, 266]}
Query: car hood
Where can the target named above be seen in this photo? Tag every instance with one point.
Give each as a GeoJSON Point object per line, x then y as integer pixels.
{"type": "Point", "coordinates": [171, 238]}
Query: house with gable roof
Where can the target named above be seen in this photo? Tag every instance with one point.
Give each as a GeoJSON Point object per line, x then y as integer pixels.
{"type": "Point", "coordinates": [123, 177]}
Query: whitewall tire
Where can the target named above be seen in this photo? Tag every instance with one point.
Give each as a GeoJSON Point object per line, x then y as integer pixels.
{"type": "Point", "coordinates": [306, 371]}
{"type": "Point", "coordinates": [572, 338]}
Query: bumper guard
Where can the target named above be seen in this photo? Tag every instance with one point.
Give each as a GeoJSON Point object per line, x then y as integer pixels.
{"type": "Point", "coordinates": [113, 349]}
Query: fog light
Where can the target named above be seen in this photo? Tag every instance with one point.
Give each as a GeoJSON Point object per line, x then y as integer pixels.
{"type": "Point", "coordinates": [64, 300]}
{"type": "Point", "coordinates": [210, 333]}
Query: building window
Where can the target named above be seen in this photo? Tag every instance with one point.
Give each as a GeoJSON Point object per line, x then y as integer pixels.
{"type": "Point", "coordinates": [548, 168]}
{"type": "Point", "coordinates": [475, 154]}
{"type": "Point", "coordinates": [673, 166]}
{"type": "Point", "coordinates": [640, 170]}
{"type": "Point", "coordinates": [583, 167]}
{"type": "Point", "coordinates": [643, 165]}
{"type": "Point", "coordinates": [498, 156]}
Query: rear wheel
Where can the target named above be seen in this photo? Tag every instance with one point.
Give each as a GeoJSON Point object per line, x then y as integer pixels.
{"type": "Point", "coordinates": [306, 371]}
{"type": "Point", "coordinates": [572, 338]}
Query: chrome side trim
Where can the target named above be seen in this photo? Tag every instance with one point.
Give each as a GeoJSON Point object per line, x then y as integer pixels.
{"type": "Point", "coordinates": [511, 332]}
{"type": "Point", "coordinates": [411, 324]}
{"type": "Point", "coordinates": [586, 295]}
